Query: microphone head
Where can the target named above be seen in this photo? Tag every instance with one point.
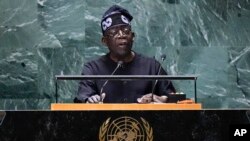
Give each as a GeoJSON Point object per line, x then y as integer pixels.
{"type": "Point", "coordinates": [119, 63]}
{"type": "Point", "coordinates": [163, 56]}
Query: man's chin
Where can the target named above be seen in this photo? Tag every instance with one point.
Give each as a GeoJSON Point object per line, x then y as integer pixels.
{"type": "Point", "coordinates": [122, 54]}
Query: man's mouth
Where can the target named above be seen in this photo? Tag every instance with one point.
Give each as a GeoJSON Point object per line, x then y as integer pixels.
{"type": "Point", "coordinates": [122, 44]}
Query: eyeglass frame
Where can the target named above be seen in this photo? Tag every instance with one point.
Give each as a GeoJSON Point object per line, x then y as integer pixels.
{"type": "Point", "coordinates": [117, 31]}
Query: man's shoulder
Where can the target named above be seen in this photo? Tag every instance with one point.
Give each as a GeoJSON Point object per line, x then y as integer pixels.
{"type": "Point", "coordinates": [145, 58]}
{"type": "Point", "coordinates": [96, 61]}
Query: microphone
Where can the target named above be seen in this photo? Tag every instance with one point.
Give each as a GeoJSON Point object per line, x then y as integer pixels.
{"type": "Point", "coordinates": [163, 57]}
{"type": "Point", "coordinates": [119, 64]}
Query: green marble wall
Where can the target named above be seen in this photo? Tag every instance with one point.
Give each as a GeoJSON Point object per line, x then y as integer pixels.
{"type": "Point", "coordinates": [43, 38]}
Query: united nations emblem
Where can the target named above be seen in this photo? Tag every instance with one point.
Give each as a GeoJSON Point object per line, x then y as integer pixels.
{"type": "Point", "coordinates": [125, 129]}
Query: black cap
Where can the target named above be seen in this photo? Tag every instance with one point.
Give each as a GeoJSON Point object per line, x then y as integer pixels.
{"type": "Point", "coordinates": [115, 15]}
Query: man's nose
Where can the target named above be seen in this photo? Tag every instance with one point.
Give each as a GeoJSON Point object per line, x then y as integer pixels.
{"type": "Point", "coordinates": [120, 33]}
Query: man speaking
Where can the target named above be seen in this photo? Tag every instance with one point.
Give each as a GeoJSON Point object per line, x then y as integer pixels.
{"type": "Point", "coordinates": [122, 60]}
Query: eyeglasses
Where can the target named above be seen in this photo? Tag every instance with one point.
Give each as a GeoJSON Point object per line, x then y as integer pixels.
{"type": "Point", "coordinates": [113, 32]}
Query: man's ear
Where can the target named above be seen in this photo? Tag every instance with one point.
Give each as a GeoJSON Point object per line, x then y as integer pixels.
{"type": "Point", "coordinates": [104, 41]}
{"type": "Point", "coordinates": [133, 36]}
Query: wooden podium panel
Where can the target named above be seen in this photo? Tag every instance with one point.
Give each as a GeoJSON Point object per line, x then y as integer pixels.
{"type": "Point", "coordinates": [118, 107]}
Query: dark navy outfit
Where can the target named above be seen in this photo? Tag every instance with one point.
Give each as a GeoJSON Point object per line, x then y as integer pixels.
{"type": "Point", "coordinates": [121, 91]}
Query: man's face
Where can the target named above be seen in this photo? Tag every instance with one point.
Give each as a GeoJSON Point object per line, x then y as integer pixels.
{"type": "Point", "coordinates": [119, 40]}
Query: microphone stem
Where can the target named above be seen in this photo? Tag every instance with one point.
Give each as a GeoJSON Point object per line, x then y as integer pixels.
{"type": "Point", "coordinates": [156, 81]}
{"type": "Point", "coordinates": [105, 83]}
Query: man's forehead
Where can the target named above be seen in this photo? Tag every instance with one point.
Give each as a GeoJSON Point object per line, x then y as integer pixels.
{"type": "Point", "coordinates": [119, 27]}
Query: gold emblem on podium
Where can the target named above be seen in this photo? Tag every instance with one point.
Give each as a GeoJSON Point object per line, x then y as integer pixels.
{"type": "Point", "coordinates": [125, 129]}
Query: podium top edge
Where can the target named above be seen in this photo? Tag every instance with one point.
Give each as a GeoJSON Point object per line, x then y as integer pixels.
{"type": "Point", "coordinates": [133, 77]}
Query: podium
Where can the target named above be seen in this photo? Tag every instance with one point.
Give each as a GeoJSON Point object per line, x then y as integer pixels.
{"type": "Point", "coordinates": [123, 107]}
{"type": "Point", "coordinates": [125, 77]}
